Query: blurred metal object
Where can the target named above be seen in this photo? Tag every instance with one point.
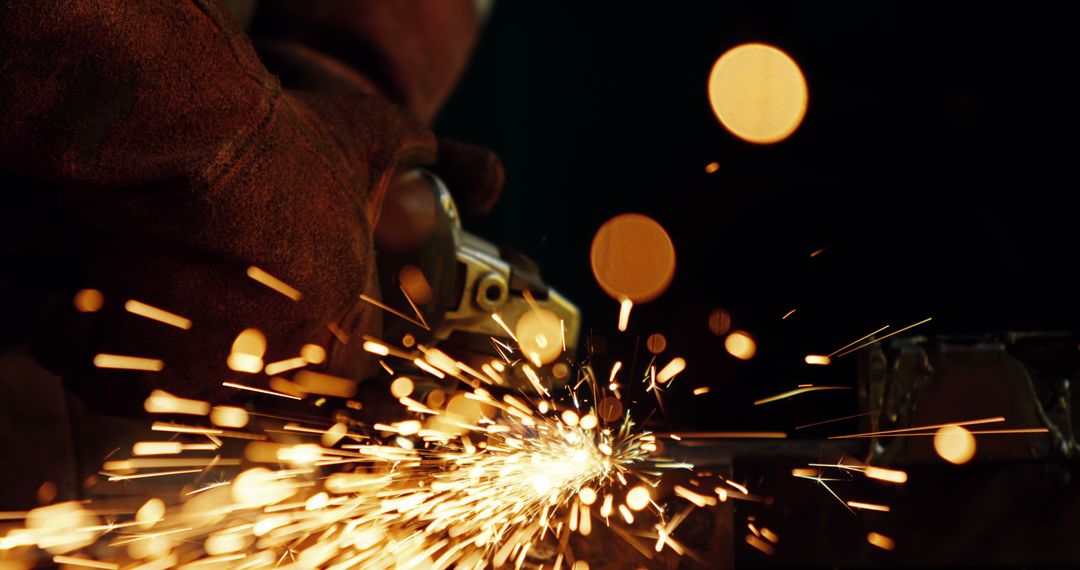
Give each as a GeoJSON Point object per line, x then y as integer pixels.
{"type": "Point", "coordinates": [469, 278]}
{"type": "Point", "coordinates": [1025, 377]}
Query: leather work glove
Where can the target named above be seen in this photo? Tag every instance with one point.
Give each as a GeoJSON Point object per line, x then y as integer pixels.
{"type": "Point", "coordinates": [180, 161]}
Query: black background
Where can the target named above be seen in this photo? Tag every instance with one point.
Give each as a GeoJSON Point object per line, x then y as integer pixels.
{"type": "Point", "coordinates": [935, 165]}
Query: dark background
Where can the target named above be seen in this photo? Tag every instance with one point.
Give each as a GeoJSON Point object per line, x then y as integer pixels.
{"type": "Point", "coordinates": [935, 165]}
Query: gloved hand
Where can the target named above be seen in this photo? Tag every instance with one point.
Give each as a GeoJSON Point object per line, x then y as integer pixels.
{"type": "Point", "coordinates": [181, 161]}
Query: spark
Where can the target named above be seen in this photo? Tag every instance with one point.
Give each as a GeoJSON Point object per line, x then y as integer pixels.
{"type": "Point", "coordinates": [760, 544]}
{"type": "Point", "coordinates": [84, 562]}
{"type": "Point", "coordinates": [822, 481]}
{"type": "Point", "coordinates": [796, 392]}
{"type": "Point", "coordinates": [423, 365]}
{"type": "Point", "coordinates": [392, 310]}
{"type": "Point", "coordinates": [562, 332]}
{"type": "Point", "coordinates": [727, 434]}
{"type": "Point", "coordinates": [128, 362]}
{"type": "Point", "coordinates": [835, 420]}
{"type": "Point", "coordinates": [419, 315]}
{"type": "Point", "coordinates": [156, 474]}
{"type": "Point", "coordinates": [868, 506]}
{"type": "Point", "coordinates": [817, 359]}
{"type": "Point", "coordinates": [259, 390]}
{"type": "Point", "coordinates": [281, 366]}
{"type": "Point", "coordinates": [624, 313]}
{"type": "Point", "coordinates": [788, 314]}
{"type": "Point", "coordinates": [856, 341]}
{"type": "Point", "coordinates": [339, 334]}
{"type": "Point", "coordinates": [1013, 431]}
{"type": "Point", "coordinates": [668, 372]}
{"type": "Point", "coordinates": [376, 348]}
{"type": "Point", "coordinates": [881, 541]}
{"type": "Point", "coordinates": [890, 475]}
{"type": "Point", "coordinates": [701, 390]}
{"type": "Point", "coordinates": [274, 283]}
{"type": "Point", "coordinates": [495, 317]}
{"type": "Point", "coordinates": [921, 428]}
{"type": "Point", "coordinates": [877, 340]}
{"type": "Point", "coordinates": [769, 535]}
{"type": "Point", "coordinates": [741, 488]}
{"type": "Point", "coordinates": [143, 310]}
{"type": "Point", "coordinates": [696, 498]}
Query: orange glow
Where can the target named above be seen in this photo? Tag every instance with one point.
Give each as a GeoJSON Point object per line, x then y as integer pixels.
{"type": "Point", "coordinates": [624, 313]}
{"type": "Point", "coordinates": [719, 321]}
{"type": "Point", "coordinates": [712, 167]}
{"type": "Point", "coordinates": [275, 368]}
{"type": "Point", "coordinates": [610, 409]}
{"type": "Point", "coordinates": [760, 544]}
{"type": "Point", "coordinates": [740, 345]}
{"type": "Point", "coordinates": [868, 506]}
{"type": "Point", "coordinates": [890, 475]}
{"type": "Point", "coordinates": [401, 387]}
{"type": "Point", "coordinates": [376, 348]}
{"type": "Point", "coordinates": [656, 343]}
{"type": "Point", "coordinates": [162, 402]}
{"type": "Point", "coordinates": [229, 416]}
{"type": "Point", "coordinates": [674, 367]}
{"type": "Point", "coordinates": [247, 352]}
{"type": "Point", "coordinates": [758, 93]}
{"type": "Point", "coordinates": [414, 283]}
{"type": "Point", "coordinates": [128, 362]}
{"type": "Point", "coordinates": [538, 333]}
{"type": "Point", "coordinates": [633, 258]}
{"type": "Point", "coordinates": [697, 498]}
{"type": "Point", "coordinates": [817, 359]}
{"type": "Point", "coordinates": [88, 301]}
{"type": "Point", "coordinates": [954, 444]}
{"type": "Point", "coordinates": [325, 384]}
{"type": "Point", "coordinates": [143, 310]}
{"type": "Point", "coordinates": [638, 498]}
{"type": "Point", "coordinates": [881, 541]}
{"type": "Point", "coordinates": [150, 513]}
{"type": "Point", "coordinates": [274, 283]}
{"type": "Point", "coordinates": [313, 353]}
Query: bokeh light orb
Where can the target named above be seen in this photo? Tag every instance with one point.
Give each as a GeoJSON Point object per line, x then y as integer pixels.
{"type": "Point", "coordinates": [656, 343]}
{"type": "Point", "coordinates": [539, 333]}
{"type": "Point", "coordinates": [719, 321]}
{"type": "Point", "coordinates": [954, 444]}
{"type": "Point", "coordinates": [633, 258]}
{"type": "Point", "coordinates": [740, 345]}
{"type": "Point", "coordinates": [758, 92]}
{"type": "Point", "coordinates": [638, 498]}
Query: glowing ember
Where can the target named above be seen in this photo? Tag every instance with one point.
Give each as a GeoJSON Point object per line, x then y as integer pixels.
{"type": "Point", "coordinates": [740, 345]}
{"type": "Point", "coordinates": [88, 301]}
{"type": "Point", "coordinates": [881, 541]}
{"type": "Point", "coordinates": [954, 444]}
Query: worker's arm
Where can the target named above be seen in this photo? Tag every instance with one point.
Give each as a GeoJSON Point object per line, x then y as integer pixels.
{"type": "Point", "coordinates": [182, 162]}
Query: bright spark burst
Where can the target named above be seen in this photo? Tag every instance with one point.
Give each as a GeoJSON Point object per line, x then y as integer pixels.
{"type": "Point", "coordinates": [445, 489]}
